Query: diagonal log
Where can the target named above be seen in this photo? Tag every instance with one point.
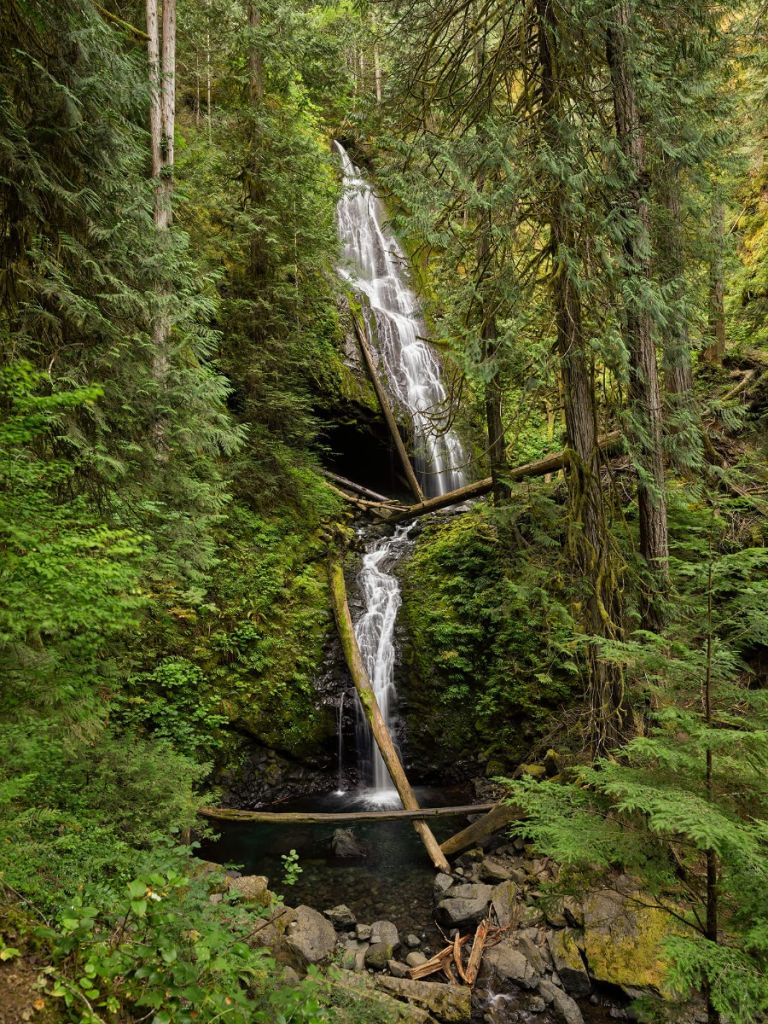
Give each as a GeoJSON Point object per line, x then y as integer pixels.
{"type": "Point", "coordinates": [386, 409]}
{"type": "Point", "coordinates": [549, 464]}
{"type": "Point", "coordinates": [495, 820]}
{"type": "Point", "coordinates": [358, 489]}
{"type": "Point", "coordinates": [373, 713]}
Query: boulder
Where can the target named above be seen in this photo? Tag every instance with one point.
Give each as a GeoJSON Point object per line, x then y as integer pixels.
{"type": "Point", "coordinates": [412, 941]}
{"type": "Point", "coordinates": [363, 932]}
{"type": "Point", "coordinates": [362, 987]}
{"type": "Point", "coordinates": [530, 950]}
{"type": "Point", "coordinates": [396, 969]}
{"type": "Point", "coordinates": [416, 958]}
{"type": "Point", "coordinates": [568, 962]}
{"type": "Point", "coordinates": [442, 882]}
{"type": "Point", "coordinates": [378, 955]}
{"type": "Point", "coordinates": [311, 935]}
{"type": "Point", "coordinates": [455, 913]}
{"type": "Point", "coordinates": [508, 964]}
{"type": "Point", "coordinates": [623, 939]}
{"type": "Point", "coordinates": [346, 846]}
{"type": "Point", "coordinates": [505, 905]}
{"type": "Point", "coordinates": [341, 916]}
{"type": "Point", "coordinates": [450, 1003]}
{"type": "Point", "coordinates": [472, 891]}
{"type": "Point", "coordinates": [385, 931]}
{"type": "Point", "coordinates": [565, 912]}
{"type": "Point", "coordinates": [496, 869]}
{"type": "Point", "coordinates": [251, 889]}
{"type": "Point", "coordinates": [565, 1007]}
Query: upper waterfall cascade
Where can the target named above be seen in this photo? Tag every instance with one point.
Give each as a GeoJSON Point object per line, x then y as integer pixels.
{"type": "Point", "coordinates": [374, 264]}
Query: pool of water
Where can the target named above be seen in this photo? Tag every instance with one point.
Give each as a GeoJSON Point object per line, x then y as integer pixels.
{"type": "Point", "coordinates": [393, 883]}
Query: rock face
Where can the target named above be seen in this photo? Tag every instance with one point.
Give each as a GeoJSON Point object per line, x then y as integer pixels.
{"type": "Point", "coordinates": [378, 955]}
{"type": "Point", "coordinates": [622, 940]}
{"type": "Point", "coordinates": [341, 916]}
{"type": "Point", "coordinates": [451, 1003]}
{"type": "Point", "coordinates": [505, 904]}
{"type": "Point", "coordinates": [509, 964]}
{"type": "Point", "coordinates": [455, 913]}
{"type": "Point", "coordinates": [311, 935]}
{"type": "Point", "coordinates": [346, 846]}
{"type": "Point", "coordinates": [568, 962]}
{"type": "Point", "coordinates": [385, 931]}
{"type": "Point", "coordinates": [563, 1005]}
{"type": "Point", "coordinates": [251, 889]}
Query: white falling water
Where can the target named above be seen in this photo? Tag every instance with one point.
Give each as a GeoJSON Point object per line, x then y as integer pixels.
{"type": "Point", "coordinates": [377, 269]}
{"type": "Point", "coordinates": [375, 266]}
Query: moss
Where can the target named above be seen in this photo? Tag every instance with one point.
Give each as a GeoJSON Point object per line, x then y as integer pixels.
{"type": "Point", "coordinates": [490, 646]}
{"type": "Point", "coordinates": [623, 941]}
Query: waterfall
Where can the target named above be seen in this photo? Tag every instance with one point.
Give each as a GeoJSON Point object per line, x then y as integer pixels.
{"type": "Point", "coordinates": [375, 266]}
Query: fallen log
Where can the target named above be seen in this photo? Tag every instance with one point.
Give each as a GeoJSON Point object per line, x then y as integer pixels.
{"type": "Point", "coordinates": [438, 961]}
{"type": "Point", "coordinates": [373, 713]}
{"type": "Point", "coordinates": [549, 464]}
{"type": "Point", "coordinates": [364, 492]}
{"type": "Point", "coordinates": [338, 817]}
{"type": "Point", "coordinates": [476, 956]}
{"type": "Point", "coordinates": [386, 409]}
{"type": "Point", "coordinates": [496, 819]}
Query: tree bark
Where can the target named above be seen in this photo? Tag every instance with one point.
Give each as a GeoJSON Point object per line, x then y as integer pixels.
{"type": "Point", "coordinates": [386, 410]}
{"type": "Point", "coordinates": [602, 612]}
{"type": "Point", "coordinates": [497, 818]}
{"type": "Point", "coordinates": [338, 817]}
{"type": "Point", "coordinates": [715, 350]}
{"type": "Point", "coordinates": [678, 376]}
{"type": "Point", "coordinates": [373, 713]}
{"type": "Point", "coordinates": [645, 397]}
{"type": "Point", "coordinates": [255, 66]}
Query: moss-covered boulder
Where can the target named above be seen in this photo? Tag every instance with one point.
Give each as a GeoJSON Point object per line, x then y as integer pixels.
{"type": "Point", "coordinates": [623, 938]}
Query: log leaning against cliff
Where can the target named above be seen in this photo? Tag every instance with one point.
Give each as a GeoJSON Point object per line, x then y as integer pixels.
{"type": "Point", "coordinates": [373, 713]}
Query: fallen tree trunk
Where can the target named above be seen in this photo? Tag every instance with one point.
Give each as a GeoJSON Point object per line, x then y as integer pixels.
{"type": "Point", "coordinates": [350, 485]}
{"type": "Point", "coordinates": [373, 713]}
{"type": "Point", "coordinates": [337, 817]}
{"type": "Point", "coordinates": [549, 464]}
{"type": "Point", "coordinates": [496, 819]}
{"type": "Point", "coordinates": [386, 409]}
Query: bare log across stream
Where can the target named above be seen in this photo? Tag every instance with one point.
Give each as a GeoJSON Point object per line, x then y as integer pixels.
{"type": "Point", "coordinates": [350, 485]}
{"type": "Point", "coordinates": [386, 409]}
{"type": "Point", "coordinates": [338, 817]}
{"type": "Point", "coordinates": [373, 713]}
{"type": "Point", "coordinates": [549, 464]}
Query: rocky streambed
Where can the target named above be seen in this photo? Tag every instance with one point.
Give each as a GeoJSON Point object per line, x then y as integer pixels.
{"type": "Point", "coordinates": [550, 960]}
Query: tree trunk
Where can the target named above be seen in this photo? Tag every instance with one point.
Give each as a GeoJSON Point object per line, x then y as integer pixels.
{"type": "Point", "coordinates": [715, 350]}
{"type": "Point", "coordinates": [495, 820]}
{"type": "Point", "coordinates": [373, 713]}
{"type": "Point", "coordinates": [602, 612]}
{"type": "Point", "coordinates": [541, 467]}
{"type": "Point", "coordinates": [339, 817]}
{"type": "Point", "coordinates": [255, 66]}
{"type": "Point", "coordinates": [645, 397]}
{"type": "Point", "coordinates": [678, 377]}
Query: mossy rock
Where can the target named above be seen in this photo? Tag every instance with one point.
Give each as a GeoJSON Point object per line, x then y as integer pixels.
{"type": "Point", "coordinates": [623, 940]}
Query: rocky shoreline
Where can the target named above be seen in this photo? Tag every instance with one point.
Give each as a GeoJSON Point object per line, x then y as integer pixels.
{"type": "Point", "coordinates": [557, 961]}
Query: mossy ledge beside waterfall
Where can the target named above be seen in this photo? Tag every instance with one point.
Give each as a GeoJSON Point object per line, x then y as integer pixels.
{"type": "Point", "coordinates": [376, 268]}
